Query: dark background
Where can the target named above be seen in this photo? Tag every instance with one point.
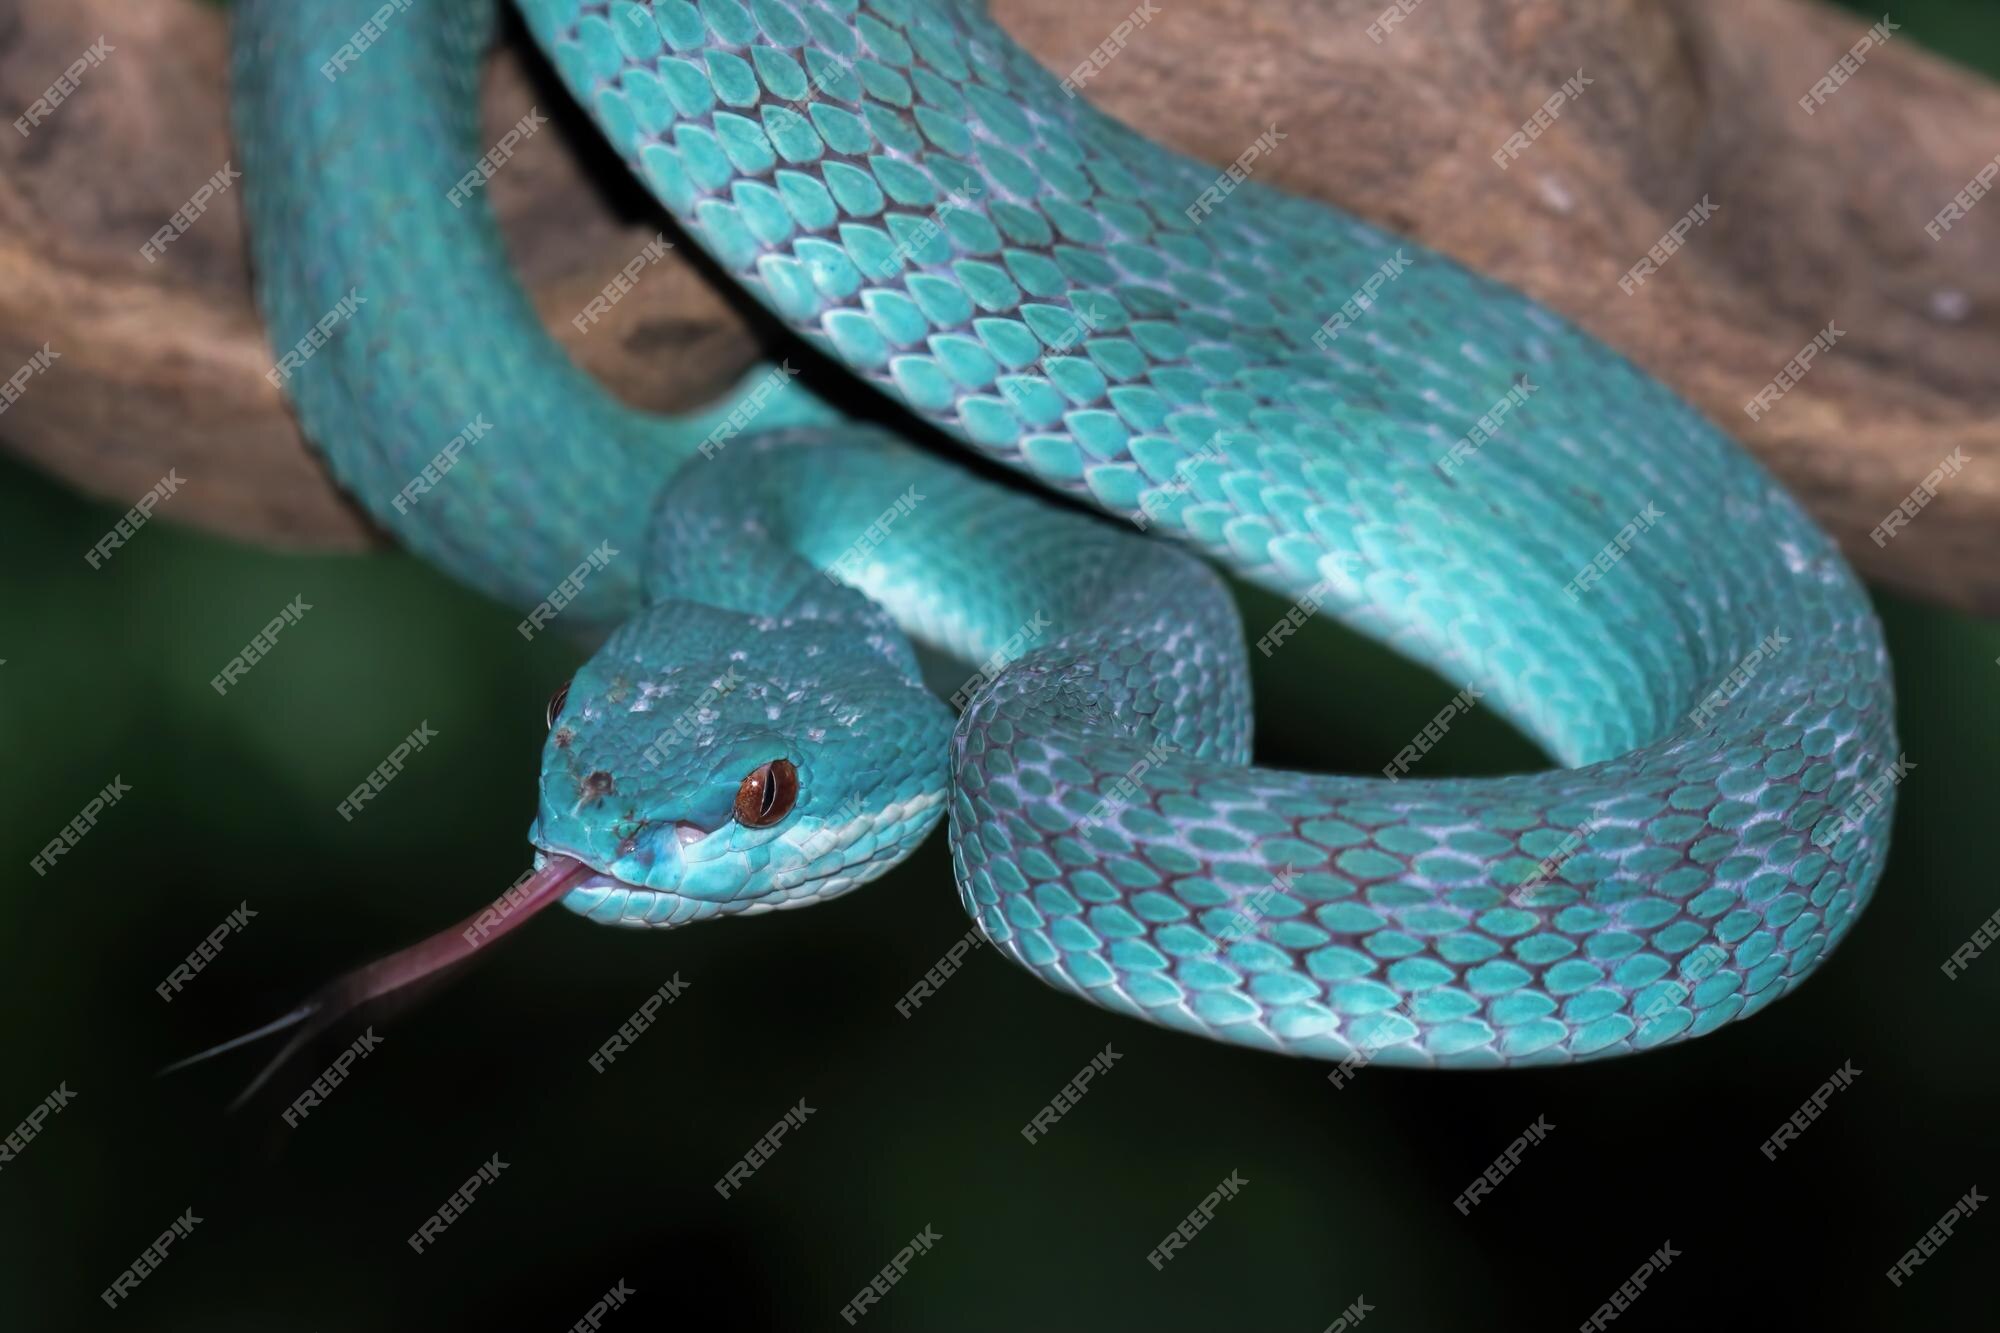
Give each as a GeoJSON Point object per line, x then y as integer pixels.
{"type": "Point", "coordinates": [916, 1121]}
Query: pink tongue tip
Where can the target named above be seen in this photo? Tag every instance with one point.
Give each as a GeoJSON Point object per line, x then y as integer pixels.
{"type": "Point", "coordinates": [427, 956]}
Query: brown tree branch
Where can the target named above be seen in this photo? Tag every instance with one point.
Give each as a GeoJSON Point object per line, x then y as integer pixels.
{"type": "Point", "coordinates": [1819, 218]}
{"type": "Point", "coordinates": [162, 362]}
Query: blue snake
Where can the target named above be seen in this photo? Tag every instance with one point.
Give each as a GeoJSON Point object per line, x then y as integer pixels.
{"type": "Point", "coordinates": [1210, 374]}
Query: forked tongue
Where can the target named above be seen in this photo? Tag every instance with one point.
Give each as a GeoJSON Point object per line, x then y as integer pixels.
{"type": "Point", "coordinates": [340, 997]}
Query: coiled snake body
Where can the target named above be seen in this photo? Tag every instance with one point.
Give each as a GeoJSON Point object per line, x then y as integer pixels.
{"type": "Point", "coordinates": [1317, 406]}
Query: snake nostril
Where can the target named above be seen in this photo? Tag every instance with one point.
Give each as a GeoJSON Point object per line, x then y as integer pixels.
{"type": "Point", "coordinates": [598, 783]}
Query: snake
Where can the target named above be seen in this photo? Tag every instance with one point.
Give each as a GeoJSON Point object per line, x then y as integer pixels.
{"type": "Point", "coordinates": [1110, 378]}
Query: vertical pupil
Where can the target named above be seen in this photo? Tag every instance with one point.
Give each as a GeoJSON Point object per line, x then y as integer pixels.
{"type": "Point", "coordinates": [766, 793]}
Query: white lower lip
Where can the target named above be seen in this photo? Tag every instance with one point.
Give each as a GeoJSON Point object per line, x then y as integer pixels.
{"type": "Point", "coordinates": [595, 895]}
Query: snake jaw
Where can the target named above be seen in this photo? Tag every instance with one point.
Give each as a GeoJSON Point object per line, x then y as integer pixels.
{"type": "Point", "coordinates": [611, 899]}
{"type": "Point", "coordinates": [646, 881]}
{"type": "Point", "coordinates": [810, 863]}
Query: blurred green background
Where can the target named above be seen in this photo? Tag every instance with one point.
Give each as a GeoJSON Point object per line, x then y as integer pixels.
{"type": "Point", "coordinates": [916, 1121]}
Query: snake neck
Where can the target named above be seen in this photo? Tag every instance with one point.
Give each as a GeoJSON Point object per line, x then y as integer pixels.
{"type": "Point", "coordinates": [1005, 585]}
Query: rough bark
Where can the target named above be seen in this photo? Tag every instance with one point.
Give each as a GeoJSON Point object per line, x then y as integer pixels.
{"type": "Point", "coordinates": [1819, 219]}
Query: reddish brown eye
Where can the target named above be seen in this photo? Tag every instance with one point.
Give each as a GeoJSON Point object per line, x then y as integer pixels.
{"type": "Point", "coordinates": [766, 796]}
{"type": "Point", "coordinates": [556, 702]}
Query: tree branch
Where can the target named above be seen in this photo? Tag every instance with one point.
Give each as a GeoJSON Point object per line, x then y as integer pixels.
{"type": "Point", "coordinates": [1819, 219]}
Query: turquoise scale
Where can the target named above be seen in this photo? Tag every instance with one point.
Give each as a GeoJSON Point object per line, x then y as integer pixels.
{"type": "Point", "coordinates": [907, 189]}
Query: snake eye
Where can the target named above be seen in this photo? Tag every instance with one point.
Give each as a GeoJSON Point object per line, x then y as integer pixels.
{"type": "Point", "coordinates": [556, 701]}
{"type": "Point", "coordinates": [766, 796]}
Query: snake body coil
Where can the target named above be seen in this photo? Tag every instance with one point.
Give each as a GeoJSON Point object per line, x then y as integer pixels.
{"type": "Point", "coordinates": [1319, 407]}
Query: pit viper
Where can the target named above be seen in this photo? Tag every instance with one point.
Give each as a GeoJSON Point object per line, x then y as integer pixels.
{"type": "Point", "coordinates": [1206, 374]}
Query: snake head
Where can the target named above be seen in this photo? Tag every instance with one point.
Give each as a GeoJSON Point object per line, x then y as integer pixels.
{"type": "Point", "coordinates": [708, 761]}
